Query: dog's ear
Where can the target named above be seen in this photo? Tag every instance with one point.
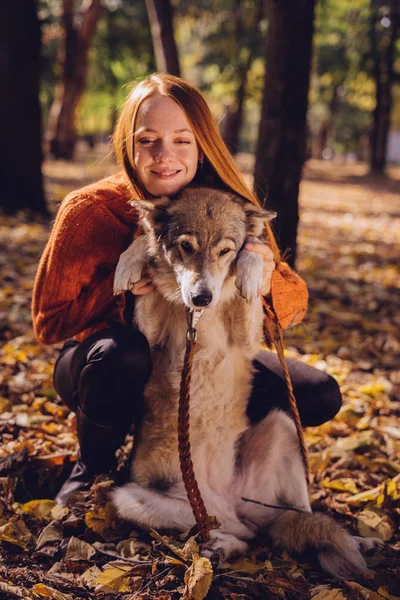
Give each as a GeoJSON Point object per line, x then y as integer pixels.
{"type": "Point", "coordinates": [256, 216]}
{"type": "Point", "coordinates": [153, 215]}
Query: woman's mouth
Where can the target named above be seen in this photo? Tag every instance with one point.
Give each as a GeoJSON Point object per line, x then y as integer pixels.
{"type": "Point", "coordinates": [165, 175]}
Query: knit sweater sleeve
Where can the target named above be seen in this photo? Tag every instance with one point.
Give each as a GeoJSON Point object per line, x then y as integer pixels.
{"type": "Point", "coordinates": [73, 286]}
{"type": "Point", "coordinates": [289, 296]}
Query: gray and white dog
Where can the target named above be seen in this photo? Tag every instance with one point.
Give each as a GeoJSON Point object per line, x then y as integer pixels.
{"type": "Point", "coordinates": [194, 251]}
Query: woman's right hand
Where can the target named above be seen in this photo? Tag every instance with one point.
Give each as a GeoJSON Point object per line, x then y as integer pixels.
{"type": "Point", "coordinates": [144, 285]}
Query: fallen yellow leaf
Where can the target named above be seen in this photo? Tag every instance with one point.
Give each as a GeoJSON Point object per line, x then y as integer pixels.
{"type": "Point", "coordinates": [343, 485]}
{"type": "Point", "coordinates": [41, 509]}
{"type": "Point", "coordinates": [198, 579]}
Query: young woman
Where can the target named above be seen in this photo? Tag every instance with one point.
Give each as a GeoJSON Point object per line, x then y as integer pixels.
{"type": "Point", "coordinates": [165, 140]}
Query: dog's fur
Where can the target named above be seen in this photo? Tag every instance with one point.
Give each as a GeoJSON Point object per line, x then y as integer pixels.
{"type": "Point", "coordinates": [194, 249]}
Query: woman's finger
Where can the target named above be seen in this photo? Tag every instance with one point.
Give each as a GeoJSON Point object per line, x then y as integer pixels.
{"type": "Point", "coordinates": [143, 286]}
{"type": "Point", "coordinates": [261, 249]}
{"type": "Point", "coordinates": [145, 289]}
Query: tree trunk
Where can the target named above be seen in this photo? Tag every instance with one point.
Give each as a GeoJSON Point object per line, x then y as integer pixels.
{"type": "Point", "coordinates": [20, 118]}
{"type": "Point", "coordinates": [78, 32]}
{"type": "Point", "coordinates": [162, 31]}
{"type": "Point", "coordinates": [382, 46]}
{"type": "Point", "coordinates": [282, 134]}
{"type": "Point", "coordinates": [232, 123]}
{"type": "Point", "coordinates": [321, 138]}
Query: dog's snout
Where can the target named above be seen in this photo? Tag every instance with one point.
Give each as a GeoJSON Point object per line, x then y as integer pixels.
{"type": "Point", "coordinates": [202, 299]}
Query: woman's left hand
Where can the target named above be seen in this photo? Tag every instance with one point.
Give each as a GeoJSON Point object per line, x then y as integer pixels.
{"type": "Point", "coordinates": [269, 264]}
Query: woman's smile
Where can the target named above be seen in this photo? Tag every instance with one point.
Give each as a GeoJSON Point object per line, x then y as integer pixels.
{"type": "Point", "coordinates": [165, 148]}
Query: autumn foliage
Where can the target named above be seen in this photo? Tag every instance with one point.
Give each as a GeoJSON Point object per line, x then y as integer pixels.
{"type": "Point", "coordinates": [348, 254]}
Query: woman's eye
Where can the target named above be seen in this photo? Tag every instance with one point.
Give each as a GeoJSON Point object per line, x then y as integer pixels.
{"type": "Point", "coordinates": [224, 251]}
{"type": "Point", "coordinates": [145, 141]}
{"type": "Point", "coordinates": [186, 247]}
{"type": "Point", "coordinates": [183, 142]}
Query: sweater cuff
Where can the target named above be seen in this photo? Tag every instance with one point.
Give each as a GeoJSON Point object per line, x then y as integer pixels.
{"type": "Point", "coordinates": [289, 296]}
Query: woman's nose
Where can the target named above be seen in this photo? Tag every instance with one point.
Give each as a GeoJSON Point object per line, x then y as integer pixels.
{"type": "Point", "coordinates": [163, 152]}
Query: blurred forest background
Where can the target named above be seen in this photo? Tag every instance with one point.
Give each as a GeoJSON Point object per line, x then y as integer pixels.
{"type": "Point", "coordinates": [307, 97]}
{"type": "Point", "coordinates": [285, 81]}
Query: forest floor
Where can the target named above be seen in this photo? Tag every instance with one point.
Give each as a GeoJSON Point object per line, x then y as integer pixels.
{"type": "Point", "coordinates": [349, 242]}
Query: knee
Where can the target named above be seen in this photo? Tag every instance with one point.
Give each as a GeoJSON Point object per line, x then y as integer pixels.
{"type": "Point", "coordinates": [111, 384]}
{"type": "Point", "coordinates": [332, 397]}
{"type": "Point", "coordinates": [126, 357]}
{"type": "Point", "coordinates": [325, 401]}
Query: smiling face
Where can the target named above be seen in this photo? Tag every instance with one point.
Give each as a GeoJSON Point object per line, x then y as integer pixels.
{"type": "Point", "coordinates": [165, 149]}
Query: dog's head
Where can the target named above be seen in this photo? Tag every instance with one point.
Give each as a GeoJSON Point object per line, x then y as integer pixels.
{"type": "Point", "coordinates": [199, 234]}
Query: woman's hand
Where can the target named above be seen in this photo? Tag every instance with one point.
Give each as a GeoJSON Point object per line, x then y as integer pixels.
{"type": "Point", "coordinates": [269, 264]}
{"type": "Point", "coordinates": [144, 285]}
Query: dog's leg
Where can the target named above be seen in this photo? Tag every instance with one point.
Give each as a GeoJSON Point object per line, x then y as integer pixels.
{"type": "Point", "coordinates": [338, 552]}
{"type": "Point", "coordinates": [152, 509]}
{"type": "Point", "coordinates": [272, 472]}
{"type": "Point", "coordinates": [222, 546]}
{"type": "Point", "coordinates": [130, 265]}
{"type": "Point", "coordinates": [249, 272]}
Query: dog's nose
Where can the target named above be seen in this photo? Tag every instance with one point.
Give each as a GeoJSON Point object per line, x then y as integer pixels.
{"type": "Point", "coordinates": [202, 299]}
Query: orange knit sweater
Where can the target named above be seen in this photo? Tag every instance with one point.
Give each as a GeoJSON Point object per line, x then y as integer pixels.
{"type": "Point", "coordinates": [73, 292]}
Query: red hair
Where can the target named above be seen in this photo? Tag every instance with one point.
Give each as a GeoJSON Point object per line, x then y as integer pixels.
{"type": "Point", "coordinates": [219, 168]}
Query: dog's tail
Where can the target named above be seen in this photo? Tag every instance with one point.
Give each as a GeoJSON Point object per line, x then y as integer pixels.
{"type": "Point", "coordinates": [338, 552]}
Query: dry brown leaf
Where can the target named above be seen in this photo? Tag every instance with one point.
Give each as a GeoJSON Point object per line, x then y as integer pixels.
{"type": "Point", "coordinates": [324, 592]}
{"type": "Point", "coordinates": [79, 550]}
{"type": "Point", "coordinates": [198, 579]}
{"type": "Point", "coordinates": [90, 576]}
{"type": "Point", "coordinates": [43, 591]}
{"type": "Point", "coordinates": [372, 524]}
{"type": "Point", "coordinates": [13, 591]}
{"type": "Point", "coordinates": [15, 532]}
{"type": "Point", "coordinates": [51, 533]}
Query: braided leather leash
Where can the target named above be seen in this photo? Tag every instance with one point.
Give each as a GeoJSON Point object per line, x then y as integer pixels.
{"type": "Point", "coordinates": [189, 479]}
{"type": "Point", "coordinates": [276, 337]}
{"type": "Point", "coordinates": [204, 523]}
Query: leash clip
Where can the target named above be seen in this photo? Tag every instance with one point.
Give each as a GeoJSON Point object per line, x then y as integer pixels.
{"type": "Point", "coordinates": [193, 316]}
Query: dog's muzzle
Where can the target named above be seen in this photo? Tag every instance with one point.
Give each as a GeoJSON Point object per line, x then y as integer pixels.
{"type": "Point", "coordinates": [203, 299]}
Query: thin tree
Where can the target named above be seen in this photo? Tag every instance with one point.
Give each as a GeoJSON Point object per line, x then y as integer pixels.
{"type": "Point", "coordinates": [162, 31]}
{"type": "Point", "coordinates": [20, 117]}
{"type": "Point", "coordinates": [231, 125]}
{"type": "Point", "coordinates": [78, 30]}
{"type": "Point", "coordinates": [282, 135]}
{"type": "Point", "coordinates": [384, 30]}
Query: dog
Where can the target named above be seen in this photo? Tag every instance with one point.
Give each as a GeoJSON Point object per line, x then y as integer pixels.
{"type": "Point", "coordinates": [194, 249]}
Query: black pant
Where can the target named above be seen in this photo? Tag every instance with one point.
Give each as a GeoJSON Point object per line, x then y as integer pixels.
{"type": "Point", "coordinates": [105, 375]}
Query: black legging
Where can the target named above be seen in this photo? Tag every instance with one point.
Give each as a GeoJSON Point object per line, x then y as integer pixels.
{"type": "Point", "coordinates": [105, 375]}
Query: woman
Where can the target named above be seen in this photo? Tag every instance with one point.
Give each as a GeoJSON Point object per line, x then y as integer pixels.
{"type": "Point", "coordinates": [165, 140]}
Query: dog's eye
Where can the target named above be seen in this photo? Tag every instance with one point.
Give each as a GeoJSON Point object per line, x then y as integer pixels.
{"type": "Point", "coordinates": [186, 247]}
{"type": "Point", "coordinates": [224, 251]}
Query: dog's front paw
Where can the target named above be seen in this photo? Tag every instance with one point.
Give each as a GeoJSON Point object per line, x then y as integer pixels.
{"type": "Point", "coordinates": [130, 266]}
{"type": "Point", "coordinates": [249, 274]}
{"type": "Point", "coordinates": [221, 546]}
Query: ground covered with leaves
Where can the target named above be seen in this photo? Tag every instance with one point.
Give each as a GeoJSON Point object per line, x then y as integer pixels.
{"type": "Point", "coordinates": [349, 256]}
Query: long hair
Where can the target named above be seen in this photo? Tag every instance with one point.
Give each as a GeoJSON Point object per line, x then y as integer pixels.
{"type": "Point", "coordinates": [219, 168]}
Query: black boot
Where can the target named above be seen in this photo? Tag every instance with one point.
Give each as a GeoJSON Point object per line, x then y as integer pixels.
{"type": "Point", "coordinates": [98, 444]}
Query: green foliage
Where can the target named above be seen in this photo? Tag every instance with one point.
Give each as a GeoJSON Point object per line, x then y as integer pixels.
{"type": "Point", "coordinates": [120, 54]}
{"type": "Point", "coordinates": [214, 41]}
